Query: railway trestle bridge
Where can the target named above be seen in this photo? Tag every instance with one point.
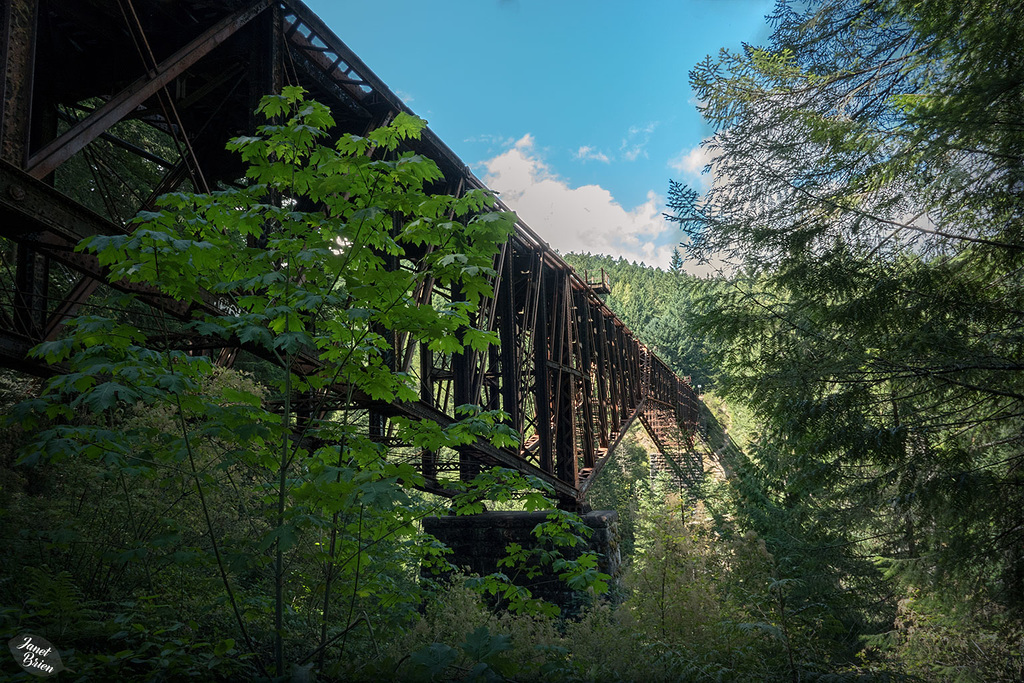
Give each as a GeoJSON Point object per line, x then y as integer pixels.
{"type": "Point", "coordinates": [136, 98]}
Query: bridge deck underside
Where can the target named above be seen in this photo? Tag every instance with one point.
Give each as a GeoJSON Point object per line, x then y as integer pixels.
{"type": "Point", "coordinates": [136, 98]}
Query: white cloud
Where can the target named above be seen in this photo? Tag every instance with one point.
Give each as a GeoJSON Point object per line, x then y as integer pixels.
{"type": "Point", "coordinates": [488, 139]}
{"type": "Point", "coordinates": [634, 145]}
{"type": "Point", "coordinates": [583, 219]}
{"type": "Point", "coordinates": [588, 153]}
{"type": "Point", "coordinates": [690, 163]}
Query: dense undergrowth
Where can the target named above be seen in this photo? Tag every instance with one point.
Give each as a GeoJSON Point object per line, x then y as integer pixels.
{"type": "Point", "coordinates": [705, 595]}
{"type": "Point", "coordinates": [110, 566]}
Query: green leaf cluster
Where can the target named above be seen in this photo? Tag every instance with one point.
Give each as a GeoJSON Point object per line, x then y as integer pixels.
{"type": "Point", "coordinates": [257, 504]}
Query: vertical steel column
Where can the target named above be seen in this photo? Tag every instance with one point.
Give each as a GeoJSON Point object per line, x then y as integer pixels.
{"type": "Point", "coordinates": [678, 408]}
{"type": "Point", "coordinates": [490, 369]}
{"type": "Point", "coordinates": [428, 459]}
{"type": "Point", "coordinates": [508, 342]}
{"type": "Point", "coordinates": [31, 283]}
{"type": "Point", "coordinates": [9, 71]}
{"type": "Point", "coordinates": [585, 327]}
{"type": "Point", "coordinates": [462, 390]}
{"type": "Point", "coordinates": [426, 374]}
{"type": "Point", "coordinates": [602, 376]}
{"type": "Point", "coordinates": [632, 369]}
{"type": "Point", "coordinates": [19, 45]}
{"type": "Point", "coordinates": [378, 422]}
{"type": "Point", "coordinates": [614, 371]}
{"type": "Point", "coordinates": [542, 388]}
{"type": "Point", "coordinates": [622, 368]}
{"type": "Point", "coordinates": [265, 77]}
{"type": "Point", "coordinates": [267, 67]}
{"type": "Point", "coordinates": [565, 434]}
{"type": "Point", "coordinates": [26, 123]}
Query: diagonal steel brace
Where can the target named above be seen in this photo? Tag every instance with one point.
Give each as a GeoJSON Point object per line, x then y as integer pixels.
{"type": "Point", "coordinates": [43, 162]}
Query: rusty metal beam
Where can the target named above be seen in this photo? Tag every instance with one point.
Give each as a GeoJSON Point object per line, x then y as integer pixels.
{"type": "Point", "coordinates": [484, 451]}
{"type": "Point", "coordinates": [28, 205]}
{"type": "Point", "coordinates": [508, 342]}
{"type": "Point", "coordinates": [585, 328]}
{"type": "Point", "coordinates": [564, 344]}
{"type": "Point", "coordinates": [542, 382]}
{"type": "Point", "coordinates": [31, 283]}
{"type": "Point", "coordinates": [14, 350]}
{"type": "Point", "coordinates": [68, 308]}
{"type": "Point", "coordinates": [17, 41]}
{"type": "Point", "coordinates": [584, 487]}
{"type": "Point", "coordinates": [47, 159]}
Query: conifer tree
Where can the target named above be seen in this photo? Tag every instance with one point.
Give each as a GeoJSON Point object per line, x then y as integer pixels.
{"type": "Point", "coordinates": [867, 194]}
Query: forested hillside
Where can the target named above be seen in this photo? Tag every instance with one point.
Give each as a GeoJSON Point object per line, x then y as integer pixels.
{"type": "Point", "coordinates": [658, 306]}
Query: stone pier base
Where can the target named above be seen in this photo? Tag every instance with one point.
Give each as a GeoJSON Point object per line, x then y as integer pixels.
{"type": "Point", "coordinates": [479, 541]}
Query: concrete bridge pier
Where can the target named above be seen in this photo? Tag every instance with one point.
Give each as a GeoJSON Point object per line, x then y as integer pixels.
{"type": "Point", "coordinates": [479, 541]}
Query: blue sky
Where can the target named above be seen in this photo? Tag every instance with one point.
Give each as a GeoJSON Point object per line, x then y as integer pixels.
{"type": "Point", "coordinates": [578, 113]}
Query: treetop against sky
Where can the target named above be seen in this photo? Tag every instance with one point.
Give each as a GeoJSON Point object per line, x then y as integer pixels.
{"type": "Point", "coordinates": [577, 112]}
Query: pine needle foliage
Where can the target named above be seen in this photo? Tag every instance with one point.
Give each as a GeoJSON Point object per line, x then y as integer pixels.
{"type": "Point", "coordinates": [868, 206]}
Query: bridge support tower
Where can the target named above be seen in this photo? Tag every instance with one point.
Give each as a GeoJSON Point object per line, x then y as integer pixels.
{"type": "Point", "coordinates": [479, 541]}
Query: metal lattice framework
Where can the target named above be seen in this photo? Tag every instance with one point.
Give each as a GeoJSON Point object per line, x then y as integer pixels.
{"type": "Point", "coordinates": [136, 98]}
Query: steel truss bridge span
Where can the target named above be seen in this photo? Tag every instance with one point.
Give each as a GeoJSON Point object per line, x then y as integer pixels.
{"type": "Point", "coordinates": [135, 98]}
